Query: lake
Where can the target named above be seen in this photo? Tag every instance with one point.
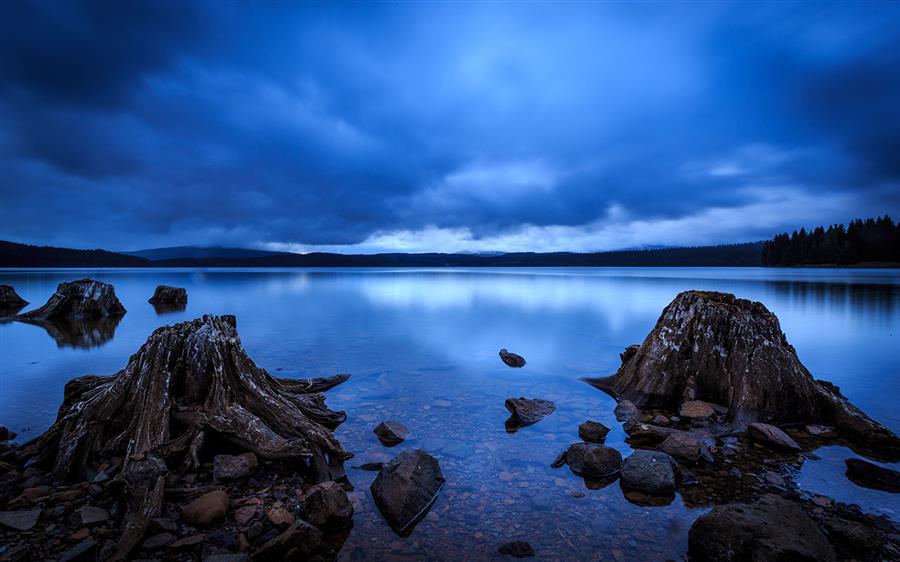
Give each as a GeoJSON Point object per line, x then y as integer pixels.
{"type": "Point", "coordinates": [422, 344]}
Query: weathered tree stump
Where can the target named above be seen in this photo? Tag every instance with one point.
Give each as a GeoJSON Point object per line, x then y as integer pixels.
{"type": "Point", "coordinates": [188, 382]}
{"type": "Point", "coordinates": [724, 350]}
{"type": "Point", "coordinates": [82, 300]}
{"type": "Point", "coordinates": [168, 295]}
{"type": "Point", "coordinates": [10, 301]}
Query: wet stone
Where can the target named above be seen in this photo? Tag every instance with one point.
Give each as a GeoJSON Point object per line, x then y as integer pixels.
{"type": "Point", "coordinates": [593, 432]}
{"type": "Point", "coordinates": [391, 433]}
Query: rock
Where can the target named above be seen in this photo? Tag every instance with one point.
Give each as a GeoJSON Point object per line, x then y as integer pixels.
{"type": "Point", "coordinates": [629, 352]}
{"type": "Point", "coordinates": [188, 542]}
{"type": "Point", "coordinates": [207, 510]}
{"type": "Point", "coordinates": [245, 514]}
{"type": "Point", "coordinates": [36, 492]}
{"type": "Point", "coordinates": [821, 431]}
{"type": "Point", "coordinates": [854, 541]}
{"type": "Point", "coordinates": [159, 540]}
{"type": "Point", "coordinates": [724, 350]}
{"type": "Point", "coordinates": [527, 411]}
{"type": "Point", "coordinates": [295, 543]}
{"type": "Point", "coordinates": [649, 471]}
{"type": "Point", "coordinates": [85, 551]}
{"type": "Point", "coordinates": [593, 432]}
{"type": "Point", "coordinates": [327, 506]}
{"type": "Point", "coordinates": [700, 409]}
{"type": "Point", "coordinates": [626, 411]}
{"type": "Point", "coordinates": [589, 460]}
{"type": "Point", "coordinates": [280, 517]}
{"type": "Point", "coordinates": [230, 467]}
{"type": "Point", "coordinates": [869, 475]}
{"type": "Point", "coordinates": [6, 434]}
{"type": "Point", "coordinates": [164, 294]}
{"type": "Point", "coordinates": [517, 549]}
{"type": "Point", "coordinates": [80, 534]}
{"type": "Point", "coordinates": [511, 359]}
{"type": "Point", "coordinates": [391, 433]}
{"type": "Point", "coordinates": [682, 447]}
{"type": "Point", "coordinates": [406, 488]}
{"type": "Point", "coordinates": [771, 529]}
{"type": "Point", "coordinates": [82, 299]}
{"type": "Point", "coordinates": [772, 436]}
{"type": "Point", "coordinates": [90, 515]}
{"type": "Point", "coordinates": [660, 420]}
{"type": "Point", "coordinates": [647, 432]}
{"type": "Point", "coordinates": [20, 520]}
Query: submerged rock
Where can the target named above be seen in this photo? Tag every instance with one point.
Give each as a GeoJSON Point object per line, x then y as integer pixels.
{"type": "Point", "coordinates": [590, 460]}
{"type": "Point", "coordinates": [649, 471]}
{"type": "Point", "coordinates": [167, 295]}
{"type": "Point", "coordinates": [406, 488]}
{"type": "Point", "coordinates": [720, 349]}
{"type": "Point", "coordinates": [772, 436]}
{"type": "Point", "coordinates": [527, 411]}
{"type": "Point", "coordinates": [517, 549]}
{"type": "Point", "coordinates": [593, 432]}
{"type": "Point", "coordinates": [84, 299]}
{"type": "Point", "coordinates": [869, 475]}
{"type": "Point", "coordinates": [771, 529]}
{"type": "Point", "coordinates": [391, 433]}
{"type": "Point", "coordinates": [512, 359]}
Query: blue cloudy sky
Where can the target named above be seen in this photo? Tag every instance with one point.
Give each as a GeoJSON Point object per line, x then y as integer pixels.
{"type": "Point", "coordinates": [443, 126]}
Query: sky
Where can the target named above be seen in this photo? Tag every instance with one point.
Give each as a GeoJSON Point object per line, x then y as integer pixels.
{"type": "Point", "coordinates": [443, 126]}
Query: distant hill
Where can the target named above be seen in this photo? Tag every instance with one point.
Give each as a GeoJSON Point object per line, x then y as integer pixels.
{"type": "Point", "coordinates": [24, 255]}
{"type": "Point", "coordinates": [733, 255]}
{"type": "Point", "coordinates": [199, 252]}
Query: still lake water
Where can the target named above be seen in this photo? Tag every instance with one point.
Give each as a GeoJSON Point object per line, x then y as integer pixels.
{"type": "Point", "coordinates": [422, 347]}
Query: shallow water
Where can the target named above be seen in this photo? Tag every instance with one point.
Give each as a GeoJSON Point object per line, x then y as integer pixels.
{"type": "Point", "coordinates": [422, 348]}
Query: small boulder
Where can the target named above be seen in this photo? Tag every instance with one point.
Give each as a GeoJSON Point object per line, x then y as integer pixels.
{"type": "Point", "coordinates": [593, 432]}
{"type": "Point", "coordinates": [391, 433]}
{"type": "Point", "coordinates": [649, 471]}
{"type": "Point", "coordinates": [512, 359]}
{"type": "Point", "coordinates": [772, 436]}
{"type": "Point", "coordinates": [90, 515]}
{"type": "Point", "coordinates": [769, 529]}
{"type": "Point", "coordinates": [527, 411]}
{"type": "Point", "coordinates": [20, 520]}
{"type": "Point", "coordinates": [228, 468]}
{"type": "Point", "coordinates": [517, 549]}
{"type": "Point", "coordinates": [327, 506]}
{"type": "Point", "coordinates": [406, 488]}
{"type": "Point", "coordinates": [682, 447]}
{"type": "Point", "coordinates": [207, 510]}
{"type": "Point", "coordinates": [700, 409]}
{"type": "Point", "coordinates": [626, 411]}
{"type": "Point", "coordinates": [295, 543]}
{"type": "Point", "coordinates": [164, 294]}
{"type": "Point", "coordinates": [590, 460]}
{"type": "Point", "coordinates": [870, 475]}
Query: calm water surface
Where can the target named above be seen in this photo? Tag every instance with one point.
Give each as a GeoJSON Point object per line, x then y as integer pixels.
{"type": "Point", "coordinates": [422, 347]}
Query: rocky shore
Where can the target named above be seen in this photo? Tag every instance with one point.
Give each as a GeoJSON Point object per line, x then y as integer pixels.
{"type": "Point", "coordinates": [192, 452]}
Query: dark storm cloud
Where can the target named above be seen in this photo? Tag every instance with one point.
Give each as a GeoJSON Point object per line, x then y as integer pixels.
{"type": "Point", "coordinates": [439, 127]}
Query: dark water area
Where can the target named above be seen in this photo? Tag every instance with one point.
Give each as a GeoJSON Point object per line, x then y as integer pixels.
{"type": "Point", "coordinates": [422, 345]}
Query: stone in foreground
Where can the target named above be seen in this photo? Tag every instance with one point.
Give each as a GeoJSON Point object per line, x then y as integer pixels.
{"type": "Point", "coordinates": [391, 433]}
{"type": "Point", "coordinates": [85, 299]}
{"type": "Point", "coordinates": [772, 436]}
{"type": "Point", "coordinates": [167, 295]}
{"type": "Point", "coordinates": [649, 471]}
{"type": "Point", "coordinates": [593, 432]}
{"type": "Point", "coordinates": [771, 529]}
{"type": "Point", "coordinates": [327, 506]}
{"type": "Point", "coordinates": [527, 411]}
{"type": "Point", "coordinates": [406, 488]}
{"type": "Point", "coordinates": [590, 460]}
{"type": "Point", "coordinates": [517, 549]}
{"type": "Point", "coordinates": [869, 475]}
{"type": "Point", "coordinates": [511, 359]}
{"type": "Point", "coordinates": [724, 350]}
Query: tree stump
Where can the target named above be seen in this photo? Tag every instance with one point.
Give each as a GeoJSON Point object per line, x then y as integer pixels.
{"type": "Point", "coordinates": [188, 382]}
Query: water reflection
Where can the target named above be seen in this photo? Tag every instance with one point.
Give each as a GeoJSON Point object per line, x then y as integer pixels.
{"type": "Point", "coordinates": [78, 333]}
{"type": "Point", "coordinates": [164, 308]}
{"type": "Point", "coordinates": [7, 313]}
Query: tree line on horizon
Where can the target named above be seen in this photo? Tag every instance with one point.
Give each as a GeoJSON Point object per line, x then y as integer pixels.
{"type": "Point", "coordinates": [861, 241]}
